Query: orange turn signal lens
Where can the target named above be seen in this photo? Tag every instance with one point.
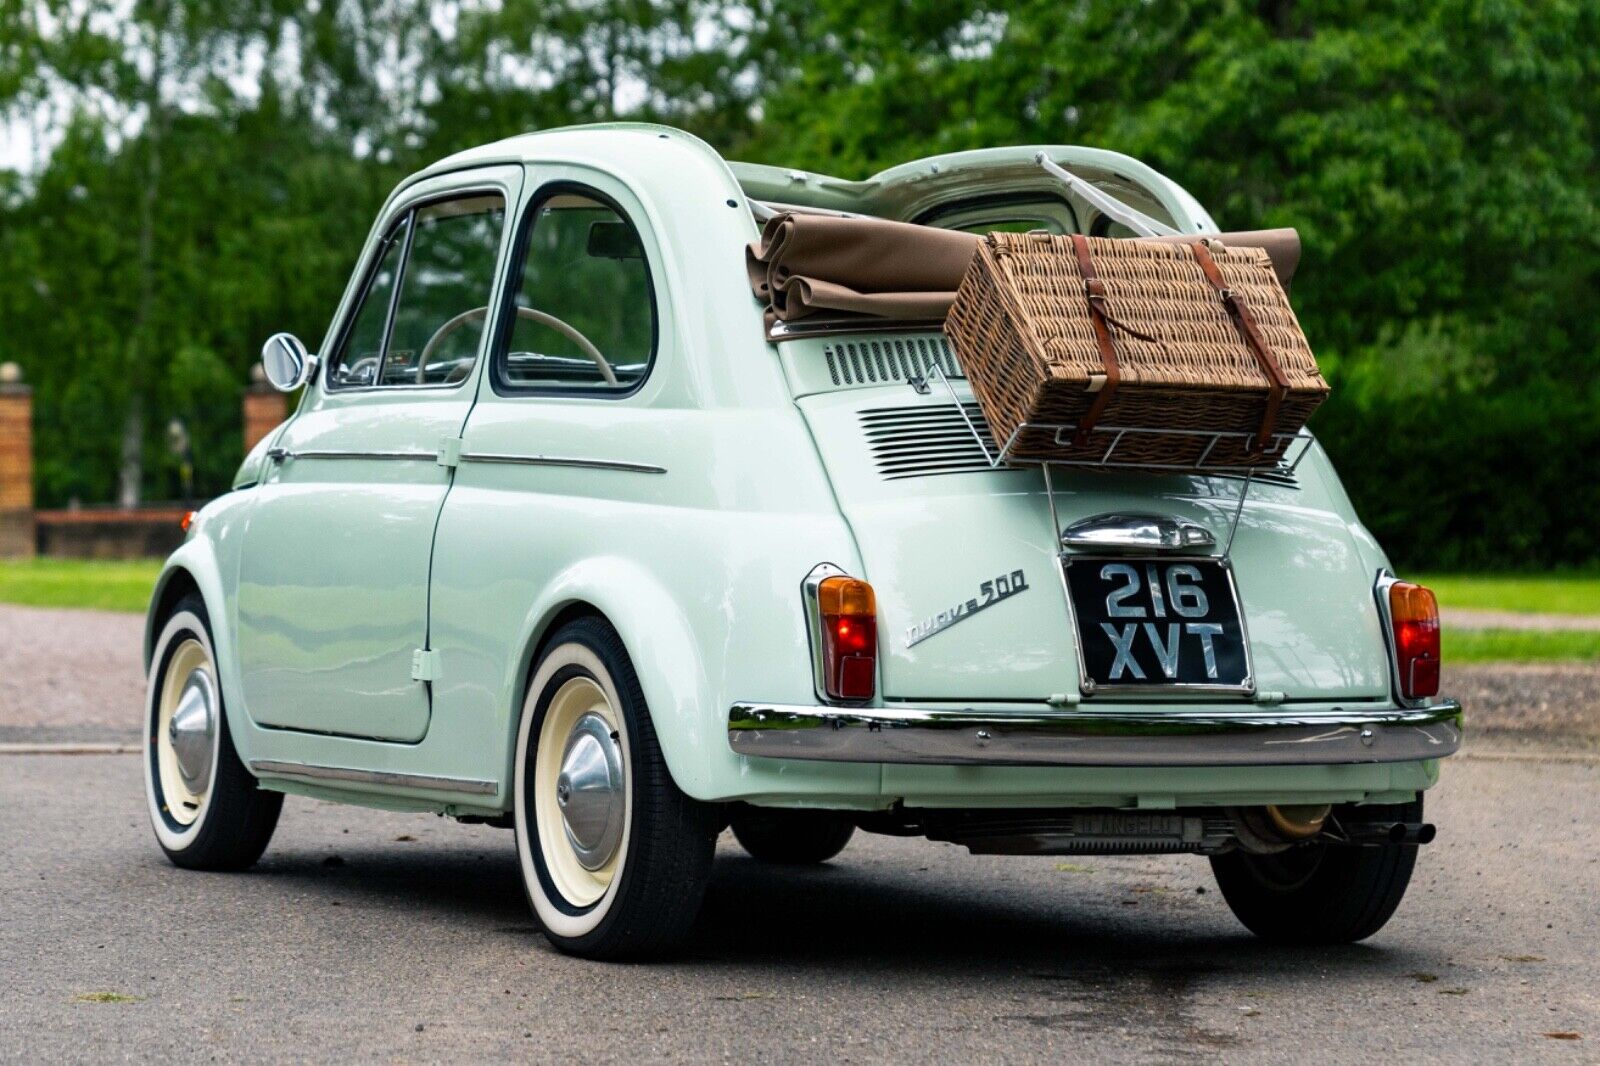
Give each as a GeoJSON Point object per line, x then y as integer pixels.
{"type": "Point", "coordinates": [1414, 617]}
{"type": "Point", "coordinates": [849, 612]}
{"type": "Point", "coordinates": [846, 595]}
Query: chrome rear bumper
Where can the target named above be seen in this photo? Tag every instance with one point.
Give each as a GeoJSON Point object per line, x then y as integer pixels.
{"type": "Point", "coordinates": [1106, 737]}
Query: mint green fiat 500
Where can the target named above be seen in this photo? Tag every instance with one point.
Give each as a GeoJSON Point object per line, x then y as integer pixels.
{"type": "Point", "coordinates": [564, 536]}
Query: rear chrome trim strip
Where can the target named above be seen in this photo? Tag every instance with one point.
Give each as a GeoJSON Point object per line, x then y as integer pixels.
{"type": "Point", "coordinates": [428, 782]}
{"type": "Point", "coordinates": [1180, 737]}
{"type": "Point", "coordinates": [557, 460]}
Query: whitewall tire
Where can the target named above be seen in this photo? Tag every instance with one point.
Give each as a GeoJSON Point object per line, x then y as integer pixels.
{"type": "Point", "coordinates": [614, 857]}
{"type": "Point", "coordinates": [205, 807]}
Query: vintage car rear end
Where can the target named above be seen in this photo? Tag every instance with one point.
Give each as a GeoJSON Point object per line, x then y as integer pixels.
{"type": "Point", "coordinates": [770, 574]}
{"type": "Point", "coordinates": [1049, 660]}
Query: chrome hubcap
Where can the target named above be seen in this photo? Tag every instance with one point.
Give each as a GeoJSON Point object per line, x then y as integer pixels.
{"type": "Point", "coordinates": [590, 792]}
{"type": "Point", "coordinates": [192, 730]}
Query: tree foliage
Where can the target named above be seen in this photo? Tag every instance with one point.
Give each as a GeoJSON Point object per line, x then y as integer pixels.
{"type": "Point", "coordinates": [216, 162]}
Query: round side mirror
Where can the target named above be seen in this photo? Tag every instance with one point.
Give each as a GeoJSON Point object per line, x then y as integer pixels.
{"type": "Point", "coordinates": [287, 363]}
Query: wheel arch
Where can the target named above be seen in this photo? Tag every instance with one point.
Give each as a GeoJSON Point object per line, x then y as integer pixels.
{"type": "Point", "coordinates": [194, 569]}
{"type": "Point", "coordinates": [175, 583]}
{"type": "Point", "coordinates": [659, 644]}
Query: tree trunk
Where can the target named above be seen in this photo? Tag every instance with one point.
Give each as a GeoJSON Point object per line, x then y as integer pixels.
{"type": "Point", "coordinates": [130, 472]}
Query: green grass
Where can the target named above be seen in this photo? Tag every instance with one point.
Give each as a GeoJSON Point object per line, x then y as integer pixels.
{"type": "Point", "coordinates": [108, 585]}
{"type": "Point", "coordinates": [125, 586]}
{"type": "Point", "coordinates": [1519, 645]}
{"type": "Point", "coordinates": [1571, 592]}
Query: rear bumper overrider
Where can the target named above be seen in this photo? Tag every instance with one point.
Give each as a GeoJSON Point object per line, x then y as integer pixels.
{"type": "Point", "coordinates": [1107, 737]}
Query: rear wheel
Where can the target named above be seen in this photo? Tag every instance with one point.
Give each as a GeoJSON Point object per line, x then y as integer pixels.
{"type": "Point", "coordinates": [791, 838]}
{"type": "Point", "coordinates": [615, 858]}
{"type": "Point", "coordinates": [206, 808]}
{"type": "Point", "coordinates": [1319, 893]}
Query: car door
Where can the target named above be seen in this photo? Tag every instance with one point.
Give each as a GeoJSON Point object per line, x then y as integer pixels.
{"type": "Point", "coordinates": [559, 457]}
{"type": "Point", "coordinates": [333, 582]}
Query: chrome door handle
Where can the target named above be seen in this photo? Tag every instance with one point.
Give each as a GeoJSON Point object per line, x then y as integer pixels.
{"type": "Point", "coordinates": [1134, 532]}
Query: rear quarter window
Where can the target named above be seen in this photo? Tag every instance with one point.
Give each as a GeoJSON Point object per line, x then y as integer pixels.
{"type": "Point", "coordinates": [583, 316]}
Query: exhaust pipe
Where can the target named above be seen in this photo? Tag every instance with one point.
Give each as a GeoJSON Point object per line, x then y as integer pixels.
{"type": "Point", "coordinates": [1271, 829]}
{"type": "Point", "coordinates": [1370, 833]}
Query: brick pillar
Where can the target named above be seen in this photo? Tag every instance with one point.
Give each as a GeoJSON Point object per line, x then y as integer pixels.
{"type": "Point", "coordinates": [264, 408]}
{"type": "Point", "coordinates": [16, 463]}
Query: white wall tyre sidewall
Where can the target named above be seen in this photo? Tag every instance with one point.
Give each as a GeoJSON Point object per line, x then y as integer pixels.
{"type": "Point", "coordinates": [181, 627]}
{"type": "Point", "coordinates": [556, 920]}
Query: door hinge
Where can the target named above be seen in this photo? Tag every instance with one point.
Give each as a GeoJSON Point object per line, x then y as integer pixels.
{"type": "Point", "coordinates": [450, 452]}
{"type": "Point", "coordinates": [425, 664]}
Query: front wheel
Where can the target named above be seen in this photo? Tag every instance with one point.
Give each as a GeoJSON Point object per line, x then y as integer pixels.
{"type": "Point", "coordinates": [1319, 893]}
{"type": "Point", "coordinates": [207, 811]}
{"type": "Point", "coordinates": [614, 857]}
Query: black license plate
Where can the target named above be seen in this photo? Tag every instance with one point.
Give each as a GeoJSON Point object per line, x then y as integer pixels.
{"type": "Point", "coordinates": [1148, 623]}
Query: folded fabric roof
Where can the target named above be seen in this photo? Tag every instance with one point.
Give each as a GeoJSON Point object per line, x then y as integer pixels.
{"type": "Point", "coordinates": [808, 266]}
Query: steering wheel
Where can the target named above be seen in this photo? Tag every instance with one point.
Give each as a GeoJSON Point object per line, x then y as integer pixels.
{"type": "Point", "coordinates": [478, 314]}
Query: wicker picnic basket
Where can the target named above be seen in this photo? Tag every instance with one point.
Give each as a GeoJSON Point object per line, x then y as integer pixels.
{"type": "Point", "coordinates": [1145, 353]}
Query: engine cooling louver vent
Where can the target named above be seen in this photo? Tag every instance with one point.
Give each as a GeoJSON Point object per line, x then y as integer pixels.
{"type": "Point", "coordinates": [930, 439]}
{"type": "Point", "coordinates": [925, 440]}
{"type": "Point", "coordinates": [882, 362]}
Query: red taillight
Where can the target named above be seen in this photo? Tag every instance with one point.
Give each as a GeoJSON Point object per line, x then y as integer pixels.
{"type": "Point", "coordinates": [1414, 614]}
{"type": "Point", "coordinates": [849, 613]}
{"type": "Point", "coordinates": [188, 520]}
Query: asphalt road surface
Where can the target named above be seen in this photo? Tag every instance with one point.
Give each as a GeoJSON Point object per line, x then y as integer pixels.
{"type": "Point", "coordinates": [369, 936]}
{"type": "Point", "coordinates": [74, 678]}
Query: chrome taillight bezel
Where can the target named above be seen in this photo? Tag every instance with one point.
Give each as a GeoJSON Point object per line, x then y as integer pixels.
{"type": "Point", "coordinates": [810, 594]}
{"type": "Point", "coordinates": [1380, 590]}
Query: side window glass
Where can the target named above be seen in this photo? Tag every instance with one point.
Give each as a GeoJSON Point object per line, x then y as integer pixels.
{"type": "Point", "coordinates": [585, 312]}
{"type": "Point", "coordinates": [444, 292]}
{"type": "Point", "coordinates": [362, 351]}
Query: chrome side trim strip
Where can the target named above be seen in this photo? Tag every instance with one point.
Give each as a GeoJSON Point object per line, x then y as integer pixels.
{"type": "Point", "coordinates": [557, 460]}
{"type": "Point", "coordinates": [310, 771]}
{"type": "Point", "coordinates": [281, 454]}
{"type": "Point", "coordinates": [1180, 737]}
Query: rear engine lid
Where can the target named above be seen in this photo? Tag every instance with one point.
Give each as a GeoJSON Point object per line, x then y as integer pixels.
{"type": "Point", "coordinates": [972, 600]}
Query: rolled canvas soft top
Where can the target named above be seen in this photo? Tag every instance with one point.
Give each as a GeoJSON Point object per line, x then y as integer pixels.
{"type": "Point", "coordinates": [806, 265]}
{"type": "Point", "coordinates": [827, 267]}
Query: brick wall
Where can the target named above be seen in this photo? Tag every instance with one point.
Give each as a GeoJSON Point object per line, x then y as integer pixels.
{"type": "Point", "coordinates": [117, 536]}
{"type": "Point", "coordinates": [16, 470]}
{"type": "Point", "coordinates": [264, 408]}
{"type": "Point", "coordinates": [110, 533]}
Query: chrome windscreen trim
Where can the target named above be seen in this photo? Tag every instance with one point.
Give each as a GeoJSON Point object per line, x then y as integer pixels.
{"type": "Point", "coordinates": [558, 460]}
{"type": "Point", "coordinates": [427, 782]}
{"type": "Point", "coordinates": [1179, 737]}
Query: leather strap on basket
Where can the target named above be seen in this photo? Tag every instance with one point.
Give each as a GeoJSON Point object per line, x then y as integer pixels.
{"type": "Point", "coordinates": [1094, 291]}
{"type": "Point", "coordinates": [1246, 323]}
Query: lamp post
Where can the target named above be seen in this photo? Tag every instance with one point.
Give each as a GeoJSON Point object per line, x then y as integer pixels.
{"type": "Point", "coordinates": [179, 444]}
